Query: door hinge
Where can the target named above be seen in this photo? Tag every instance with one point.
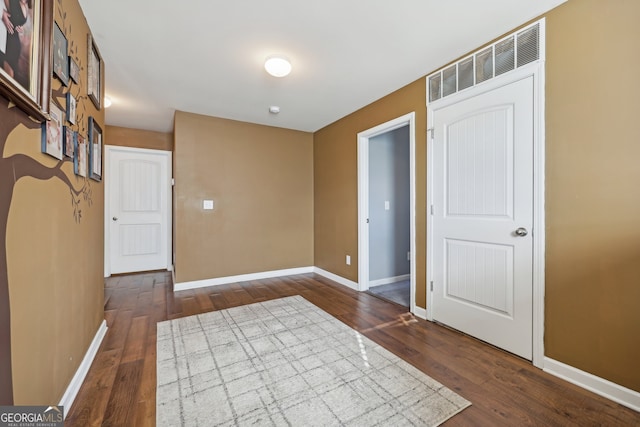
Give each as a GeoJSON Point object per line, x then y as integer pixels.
{"type": "Point", "coordinates": [367, 220]}
{"type": "Point", "coordinates": [432, 286]}
{"type": "Point", "coordinates": [431, 132]}
{"type": "Point", "coordinates": [173, 182]}
{"type": "Point", "coordinates": [432, 210]}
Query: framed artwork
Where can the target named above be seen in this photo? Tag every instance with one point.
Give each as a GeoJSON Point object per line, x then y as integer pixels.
{"type": "Point", "coordinates": [80, 158]}
{"type": "Point", "coordinates": [24, 78]}
{"type": "Point", "coordinates": [52, 133]}
{"type": "Point", "coordinates": [74, 70]}
{"type": "Point", "coordinates": [69, 142]}
{"type": "Point", "coordinates": [71, 108]}
{"type": "Point", "coordinates": [94, 89]}
{"type": "Point", "coordinates": [60, 55]}
{"type": "Point", "coordinates": [95, 150]}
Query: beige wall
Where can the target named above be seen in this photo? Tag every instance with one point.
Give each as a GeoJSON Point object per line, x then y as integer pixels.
{"type": "Point", "coordinates": [593, 195]}
{"type": "Point", "coordinates": [336, 183]}
{"type": "Point", "coordinates": [261, 181]}
{"type": "Point", "coordinates": [55, 263]}
{"type": "Point", "coordinates": [592, 201]}
{"type": "Point", "coordinates": [137, 138]}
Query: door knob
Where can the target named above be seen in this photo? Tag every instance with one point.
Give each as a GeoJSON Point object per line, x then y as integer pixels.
{"type": "Point", "coordinates": [521, 232]}
{"type": "Point", "coordinates": [115, 218]}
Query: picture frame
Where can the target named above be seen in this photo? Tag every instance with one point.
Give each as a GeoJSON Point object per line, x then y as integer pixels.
{"type": "Point", "coordinates": [52, 132]}
{"type": "Point", "coordinates": [69, 142]}
{"type": "Point", "coordinates": [30, 89]}
{"type": "Point", "coordinates": [94, 73]}
{"type": "Point", "coordinates": [60, 55]}
{"type": "Point", "coordinates": [80, 155]}
{"type": "Point", "coordinates": [95, 150]}
{"type": "Point", "coordinates": [74, 71]}
{"type": "Point", "coordinates": [71, 108]}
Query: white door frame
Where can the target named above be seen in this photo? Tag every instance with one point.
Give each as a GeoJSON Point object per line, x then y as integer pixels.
{"type": "Point", "coordinates": [363, 198]}
{"type": "Point", "coordinates": [535, 69]}
{"type": "Point", "coordinates": [108, 149]}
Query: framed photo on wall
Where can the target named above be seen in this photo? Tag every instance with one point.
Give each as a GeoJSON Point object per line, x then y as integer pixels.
{"type": "Point", "coordinates": [60, 55]}
{"type": "Point", "coordinates": [95, 150]}
{"type": "Point", "coordinates": [52, 133]}
{"type": "Point", "coordinates": [94, 74]}
{"type": "Point", "coordinates": [69, 142]}
{"type": "Point", "coordinates": [24, 79]}
{"type": "Point", "coordinates": [71, 108]}
{"type": "Point", "coordinates": [74, 70]}
{"type": "Point", "coordinates": [80, 158]}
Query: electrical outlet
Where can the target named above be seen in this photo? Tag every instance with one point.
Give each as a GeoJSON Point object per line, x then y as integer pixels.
{"type": "Point", "coordinates": [387, 205]}
{"type": "Point", "coordinates": [348, 259]}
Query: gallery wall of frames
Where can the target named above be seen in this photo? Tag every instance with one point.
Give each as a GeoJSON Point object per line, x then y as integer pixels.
{"type": "Point", "coordinates": [51, 197]}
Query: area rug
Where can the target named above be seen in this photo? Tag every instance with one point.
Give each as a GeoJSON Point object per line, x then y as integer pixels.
{"type": "Point", "coordinates": [286, 362]}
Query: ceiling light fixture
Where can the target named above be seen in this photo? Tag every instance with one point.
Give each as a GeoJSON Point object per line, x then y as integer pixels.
{"type": "Point", "coordinates": [277, 65]}
{"type": "Point", "coordinates": [107, 102]}
{"type": "Point", "coordinates": [274, 109]}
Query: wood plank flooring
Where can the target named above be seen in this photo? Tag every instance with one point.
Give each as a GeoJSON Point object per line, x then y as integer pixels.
{"type": "Point", "coordinates": [505, 391]}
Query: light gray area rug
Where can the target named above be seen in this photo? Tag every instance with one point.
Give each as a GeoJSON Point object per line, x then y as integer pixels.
{"type": "Point", "coordinates": [286, 362]}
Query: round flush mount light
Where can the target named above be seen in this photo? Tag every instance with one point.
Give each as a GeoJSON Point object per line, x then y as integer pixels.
{"type": "Point", "coordinates": [274, 109]}
{"type": "Point", "coordinates": [107, 102]}
{"type": "Point", "coordinates": [277, 65]}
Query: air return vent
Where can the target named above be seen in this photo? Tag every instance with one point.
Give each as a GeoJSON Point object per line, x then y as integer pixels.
{"type": "Point", "coordinates": [504, 56]}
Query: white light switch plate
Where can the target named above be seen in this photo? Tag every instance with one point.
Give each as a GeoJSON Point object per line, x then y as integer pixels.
{"type": "Point", "coordinates": [207, 205]}
{"type": "Point", "coordinates": [386, 205]}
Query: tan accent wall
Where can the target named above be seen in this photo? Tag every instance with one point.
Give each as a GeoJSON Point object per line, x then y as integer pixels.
{"type": "Point", "coordinates": [261, 181]}
{"type": "Point", "coordinates": [55, 261]}
{"type": "Point", "coordinates": [336, 183]}
{"type": "Point", "coordinates": [593, 191]}
{"type": "Point", "coordinates": [138, 138]}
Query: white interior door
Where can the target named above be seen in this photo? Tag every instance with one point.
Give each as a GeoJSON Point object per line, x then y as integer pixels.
{"type": "Point", "coordinates": [138, 209]}
{"type": "Point", "coordinates": [483, 216]}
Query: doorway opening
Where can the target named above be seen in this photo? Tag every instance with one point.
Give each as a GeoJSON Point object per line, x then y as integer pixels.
{"type": "Point", "coordinates": [386, 211]}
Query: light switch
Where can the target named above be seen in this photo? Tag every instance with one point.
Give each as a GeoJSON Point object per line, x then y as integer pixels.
{"type": "Point", "coordinates": [386, 205]}
{"type": "Point", "coordinates": [207, 205]}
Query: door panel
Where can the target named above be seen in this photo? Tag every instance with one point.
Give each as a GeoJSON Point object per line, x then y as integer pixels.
{"type": "Point", "coordinates": [483, 192]}
{"type": "Point", "coordinates": [139, 211]}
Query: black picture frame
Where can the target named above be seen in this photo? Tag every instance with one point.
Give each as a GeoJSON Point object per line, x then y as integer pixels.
{"type": "Point", "coordinates": [71, 108]}
{"type": "Point", "coordinates": [74, 70]}
{"type": "Point", "coordinates": [34, 98]}
{"type": "Point", "coordinates": [80, 155]}
{"type": "Point", "coordinates": [94, 73]}
{"type": "Point", "coordinates": [69, 141]}
{"type": "Point", "coordinates": [95, 150]}
{"type": "Point", "coordinates": [60, 55]}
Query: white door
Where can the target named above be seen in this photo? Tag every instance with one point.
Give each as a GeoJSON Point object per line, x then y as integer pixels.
{"type": "Point", "coordinates": [483, 216]}
{"type": "Point", "coordinates": [138, 209]}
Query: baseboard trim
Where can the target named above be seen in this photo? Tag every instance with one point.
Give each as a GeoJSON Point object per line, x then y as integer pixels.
{"type": "Point", "coordinates": [339, 279]}
{"type": "Point", "coordinates": [177, 287]}
{"type": "Point", "coordinates": [76, 382]}
{"type": "Point", "coordinates": [420, 312]}
{"type": "Point", "coordinates": [605, 388]}
{"type": "Point", "coordinates": [387, 280]}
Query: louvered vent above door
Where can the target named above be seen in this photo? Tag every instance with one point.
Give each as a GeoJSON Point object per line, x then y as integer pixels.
{"type": "Point", "coordinates": [505, 55]}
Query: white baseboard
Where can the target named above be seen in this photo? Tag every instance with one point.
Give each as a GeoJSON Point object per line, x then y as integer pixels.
{"type": "Point", "coordinates": [76, 382]}
{"type": "Point", "coordinates": [387, 280]}
{"type": "Point", "coordinates": [604, 388]}
{"type": "Point", "coordinates": [240, 278]}
{"type": "Point", "coordinates": [420, 312]}
{"type": "Point", "coordinates": [339, 279]}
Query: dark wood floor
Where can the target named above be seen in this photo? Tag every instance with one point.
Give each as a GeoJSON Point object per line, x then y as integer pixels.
{"type": "Point", "coordinates": [505, 390]}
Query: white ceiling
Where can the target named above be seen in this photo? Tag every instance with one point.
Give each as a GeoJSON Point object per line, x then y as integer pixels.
{"type": "Point", "coordinates": [206, 56]}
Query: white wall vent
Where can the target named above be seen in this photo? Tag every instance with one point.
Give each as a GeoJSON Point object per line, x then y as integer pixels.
{"type": "Point", "coordinates": [507, 54]}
